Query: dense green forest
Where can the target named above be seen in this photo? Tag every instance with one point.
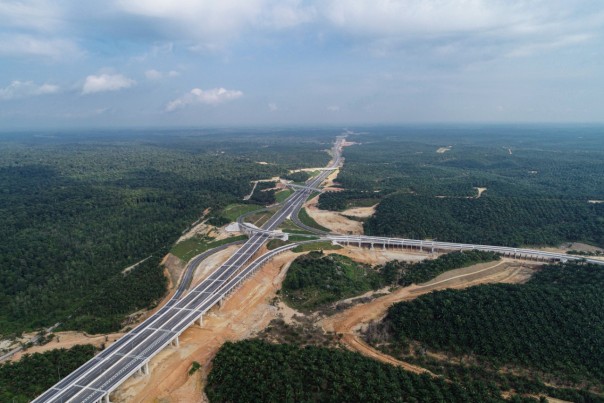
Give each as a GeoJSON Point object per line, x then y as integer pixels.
{"type": "Point", "coordinates": [315, 280]}
{"type": "Point", "coordinates": [78, 208]}
{"type": "Point", "coordinates": [25, 379]}
{"type": "Point", "coordinates": [510, 221]}
{"type": "Point", "coordinates": [551, 325]}
{"type": "Point", "coordinates": [254, 371]}
{"type": "Point", "coordinates": [538, 179]}
{"type": "Point", "coordinates": [406, 273]}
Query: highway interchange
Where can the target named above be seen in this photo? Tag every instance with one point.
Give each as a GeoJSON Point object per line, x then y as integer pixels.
{"type": "Point", "coordinates": [97, 378]}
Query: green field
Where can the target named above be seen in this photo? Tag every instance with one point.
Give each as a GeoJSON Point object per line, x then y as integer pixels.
{"type": "Point", "coordinates": [275, 243]}
{"type": "Point", "coordinates": [281, 195]}
{"type": "Point", "coordinates": [234, 211]}
{"type": "Point", "coordinates": [191, 247]}
{"type": "Point", "coordinates": [308, 220]}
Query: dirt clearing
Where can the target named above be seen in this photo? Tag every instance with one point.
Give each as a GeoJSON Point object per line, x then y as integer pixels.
{"type": "Point", "coordinates": [480, 192]}
{"type": "Point", "coordinates": [381, 256]}
{"type": "Point", "coordinates": [243, 315]}
{"type": "Point", "coordinates": [333, 220]}
{"type": "Point", "coordinates": [209, 264]}
{"type": "Point", "coordinates": [360, 212]}
{"type": "Point", "coordinates": [351, 321]}
{"type": "Point", "coordinates": [68, 340]}
{"type": "Point", "coordinates": [443, 150]}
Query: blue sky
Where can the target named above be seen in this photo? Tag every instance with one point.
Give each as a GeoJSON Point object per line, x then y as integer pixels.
{"type": "Point", "coordinates": [67, 63]}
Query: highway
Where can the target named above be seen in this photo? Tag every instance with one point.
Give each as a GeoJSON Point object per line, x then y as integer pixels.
{"type": "Point", "coordinates": [98, 377]}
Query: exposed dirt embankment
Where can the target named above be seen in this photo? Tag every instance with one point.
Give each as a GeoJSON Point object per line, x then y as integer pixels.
{"type": "Point", "coordinates": [70, 339]}
{"type": "Point", "coordinates": [333, 220]}
{"type": "Point", "coordinates": [243, 315]}
{"type": "Point", "coordinates": [353, 320]}
{"type": "Point", "coordinates": [360, 212]}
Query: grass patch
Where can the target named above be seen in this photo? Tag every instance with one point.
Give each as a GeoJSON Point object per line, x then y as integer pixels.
{"type": "Point", "coordinates": [408, 273]}
{"type": "Point", "coordinates": [260, 218]}
{"type": "Point", "coordinates": [281, 195]}
{"type": "Point", "coordinates": [315, 280]}
{"type": "Point", "coordinates": [312, 195]}
{"type": "Point", "coordinates": [185, 250]}
{"type": "Point", "coordinates": [289, 227]}
{"type": "Point", "coordinates": [233, 211]}
{"type": "Point", "coordinates": [319, 245]}
{"type": "Point", "coordinates": [308, 220]}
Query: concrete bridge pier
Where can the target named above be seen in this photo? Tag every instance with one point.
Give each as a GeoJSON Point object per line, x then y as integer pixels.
{"type": "Point", "coordinates": [176, 342]}
{"type": "Point", "coordinates": [200, 321]}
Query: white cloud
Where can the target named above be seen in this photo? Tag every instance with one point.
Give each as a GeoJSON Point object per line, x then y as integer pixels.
{"type": "Point", "coordinates": [29, 45]}
{"type": "Point", "coordinates": [333, 108]}
{"type": "Point", "coordinates": [157, 75]}
{"type": "Point", "coordinates": [106, 82]}
{"type": "Point", "coordinates": [525, 50]}
{"type": "Point", "coordinates": [214, 22]}
{"type": "Point", "coordinates": [213, 96]}
{"type": "Point", "coordinates": [272, 107]}
{"type": "Point", "coordinates": [201, 18]}
{"type": "Point", "coordinates": [287, 13]}
{"type": "Point", "coordinates": [39, 15]}
{"type": "Point", "coordinates": [429, 17]}
{"type": "Point", "coordinates": [24, 89]}
{"type": "Point", "coordinates": [153, 74]}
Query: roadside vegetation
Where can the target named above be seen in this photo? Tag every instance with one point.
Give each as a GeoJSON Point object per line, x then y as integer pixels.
{"type": "Point", "coordinates": [17, 383]}
{"type": "Point", "coordinates": [338, 201]}
{"type": "Point", "coordinates": [405, 273]}
{"type": "Point", "coordinates": [281, 195]}
{"type": "Point", "coordinates": [547, 330]}
{"type": "Point", "coordinates": [299, 177]}
{"type": "Point", "coordinates": [106, 309]}
{"type": "Point", "coordinates": [315, 280]}
{"type": "Point", "coordinates": [252, 371]}
{"type": "Point", "coordinates": [195, 245]}
{"type": "Point", "coordinates": [276, 243]}
{"type": "Point", "coordinates": [234, 211]}
{"type": "Point", "coordinates": [316, 246]}
{"type": "Point", "coordinates": [309, 221]}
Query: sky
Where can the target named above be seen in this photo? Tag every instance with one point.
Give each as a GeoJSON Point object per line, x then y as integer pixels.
{"type": "Point", "coordinates": [179, 63]}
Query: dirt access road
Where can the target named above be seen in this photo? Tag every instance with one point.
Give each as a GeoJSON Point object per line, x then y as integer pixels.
{"type": "Point", "coordinates": [352, 321]}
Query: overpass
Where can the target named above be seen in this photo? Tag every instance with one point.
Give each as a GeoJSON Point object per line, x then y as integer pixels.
{"type": "Point", "coordinates": [436, 246]}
